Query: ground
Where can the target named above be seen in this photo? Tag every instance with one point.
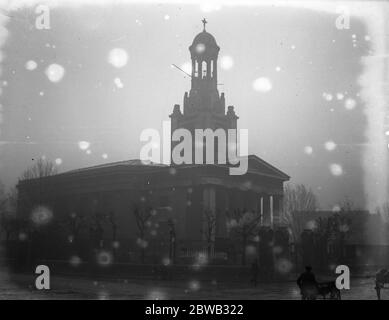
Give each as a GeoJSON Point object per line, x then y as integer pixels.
{"type": "Point", "coordinates": [70, 287]}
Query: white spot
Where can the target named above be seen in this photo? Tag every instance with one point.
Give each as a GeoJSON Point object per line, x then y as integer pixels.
{"type": "Point", "coordinates": [251, 250]}
{"type": "Point", "coordinates": [118, 57]}
{"type": "Point", "coordinates": [330, 145]}
{"type": "Point", "coordinates": [200, 48]}
{"type": "Point", "coordinates": [194, 285]}
{"type": "Point", "coordinates": [339, 96]}
{"type": "Point", "coordinates": [293, 47]}
{"type": "Point", "coordinates": [226, 62]}
{"type": "Point", "coordinates": [83, 145]}
{"type": "Point", "coordinates": [41, 93]}
{"type": "Point", "coordinates": [103, 295]}
{"type": "Point", "coordinates": [336, 208]}
{"type": "Point", "coordinates": [75, 261]}
{"type": "Point", "coordinates": [166, 261]}
{"type": "Point", "coordinates": [283, 266]}
{"type": "Point", "coordinates": [387, 133]}
{"type": "Point", "coordinates": [308, 149]}
{"type": "Point", "coordinates": [118, 83]}
{"type": "Point", "coordinates": [187, 67]}
{"type": "Point", "coordinates": [55, 72]}
{"type": "Point", "coordinates": [354, 36]}
{"type": "Point", "coordinates": [327, 96]}
{"type": "Point", "coordinates": [367, 38]}
{"type": "Point", "coordinates": [31, 65]}
{"type": "Point", "coordinates": [278, 69]}
{"type": "Point", "coordinates": [22, 236]}
{"type": "Point", "coordinates": [142, 243]}
{"type": "Point", "coordinates": [41, 215]}
{"type": "Point", "coordinates": [350, 104]}
{"type": "Point", "coordinates": [311, 225]}
{"type": "Point", "coordinates": [89, 151]}
{"type": "Point", "coordinates": [156, 295]}
{"type": "Point", "coordinates": [104, 156]}
{"type": "Point", "coordinates": [336, 169]}
{"type": "Point", "coordinates": [166, 17]}
{"type": "Point", "coordinates": [58, 161]}
{"type": "Point", "coordinates": [262, 84]}
{"type": "Point", "coordinates": [104, 258]}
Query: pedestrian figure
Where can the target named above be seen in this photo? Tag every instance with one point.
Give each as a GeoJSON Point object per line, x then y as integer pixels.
{"type": "Point", "coordinates": [254, 272]}
{"type": "Point", "coordinates": [307, 284]}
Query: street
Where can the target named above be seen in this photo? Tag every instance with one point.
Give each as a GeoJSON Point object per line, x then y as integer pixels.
{"type": "Point", "coordinates": [70, 287]}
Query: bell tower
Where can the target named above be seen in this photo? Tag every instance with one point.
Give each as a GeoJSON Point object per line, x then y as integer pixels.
{"type": "Point", "coordinates": [203, 107]}
{"type": "Point", "coordinates": [204, 53]}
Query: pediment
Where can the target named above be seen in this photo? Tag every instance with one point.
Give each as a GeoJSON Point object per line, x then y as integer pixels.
{"type": "Point", "coordinates": [259, 166]}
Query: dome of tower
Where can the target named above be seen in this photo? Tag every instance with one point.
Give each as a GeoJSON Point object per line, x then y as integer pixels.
{"type": "Point", "coordinates": [204, 44]}
{"type": "Point", "coordinates": [206, 38]}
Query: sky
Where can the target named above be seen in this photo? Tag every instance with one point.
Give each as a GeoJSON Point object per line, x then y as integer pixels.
{"type": "Point", "coordinates": [81, 92]}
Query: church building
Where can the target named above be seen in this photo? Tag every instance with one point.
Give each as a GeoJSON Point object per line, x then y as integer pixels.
{"type": "Point", "coordinates": [179, 198]}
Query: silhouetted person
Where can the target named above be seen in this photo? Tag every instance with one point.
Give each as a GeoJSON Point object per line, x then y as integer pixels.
{"type": "Point", "coordinates": [254, 272]}
{"type": "Point", "coordinates": [307, 284]}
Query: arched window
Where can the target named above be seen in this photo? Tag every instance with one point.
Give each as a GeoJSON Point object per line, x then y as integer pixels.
{"type": "Point", "coordinates": [212, 68]}
{"type": "Point", "coordinates": [204, 67]}
{"type": "Point", "coordinates": [196, 70]}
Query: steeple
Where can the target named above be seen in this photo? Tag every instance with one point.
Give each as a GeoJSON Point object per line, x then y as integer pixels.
{"type": "Point", "coordinates": [204, 52]}
{"type": "Point", "coordinates": [204, 108]}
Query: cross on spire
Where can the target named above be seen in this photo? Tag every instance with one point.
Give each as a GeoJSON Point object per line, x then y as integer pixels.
{"type": "Point", "coordinates": [204, 23]}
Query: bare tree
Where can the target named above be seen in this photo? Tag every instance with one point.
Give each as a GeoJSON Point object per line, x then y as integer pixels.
{"type": "Point", "coordinates": [3, 198]}
{"type": "Point", "coordinates": [75, 224]}
{"type": "Point", "coordinates": [297, 199]}
{"type": "Point", "coordinates": [209, 229]}
{"type": "Point", "coordinates": [143, 220]}
{"type": "Point", "coordinates": [42, 168]}
{"type": "Point", "coordinates": [244, 225]}
{"type": "Point", "coordinates": [383, 210]}
{"type": "Point", "coordinates": [8, 220]}
{"type": "Point", "coordinates": [113, 224]}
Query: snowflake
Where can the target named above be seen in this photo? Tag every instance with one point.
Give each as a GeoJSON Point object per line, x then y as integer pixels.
{"type": "Point", "coordinates": [336, 169]}
{"type": "Point", "coordinates": [262, 84]}
{"type": "Point", "coordinates": [83, 145]}
{"type": "Point", "coordinates": [118, 57]}
{"type": "Point", "coordinates": [55, 72]}
{"type": "Point", "coordinates": [350, 104]}
{"type": "Point", "coordinates": [31, 65]}
{"type": "Point", "coordinates": [330, 145]}
{"type": "Point", "coordinates": [226, 62]}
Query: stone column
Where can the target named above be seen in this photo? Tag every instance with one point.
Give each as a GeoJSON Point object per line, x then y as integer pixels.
{"type": "Point", "coordinates": [209, 204]}
{"type": "Point", "coordinates": [277, 209]}
{"type": "Point", "coordinates": [271, 199]}
{"type": "Point", "coordinates": [266, 210]}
